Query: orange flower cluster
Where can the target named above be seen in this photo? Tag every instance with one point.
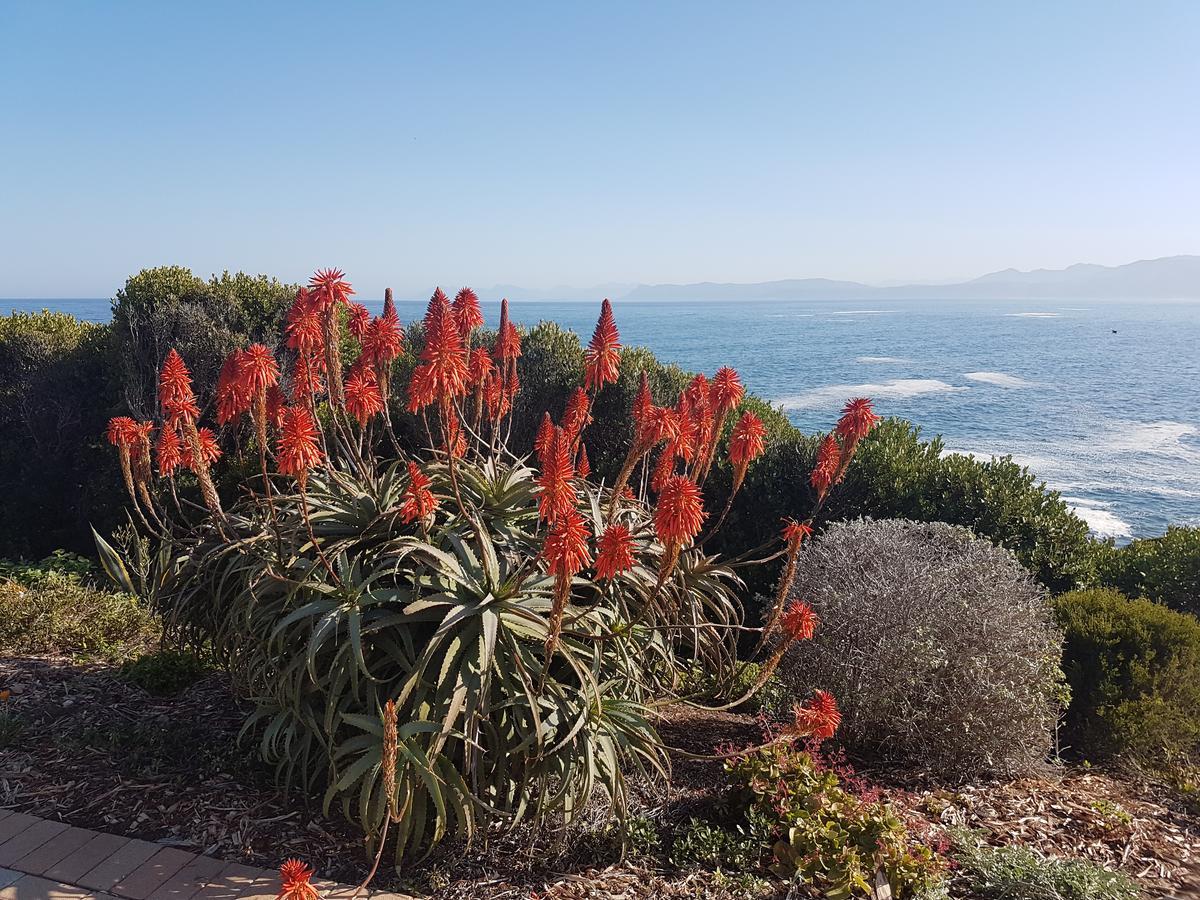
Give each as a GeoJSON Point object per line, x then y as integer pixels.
{"type": "Point", "coordinates": [297, 451]}
{"type": "Point", "coordinates": [603, 355]}
{"type": "Point", "coordinates": [837, 450]}
{"type": "Point", "coordinates": [818, 718]}
{"type": "Point", "coordinates": [419, 501]}
{"type": "Point", "coordinates": [614, 552]}
{"type": "Point", "coordinates": [294, 878]}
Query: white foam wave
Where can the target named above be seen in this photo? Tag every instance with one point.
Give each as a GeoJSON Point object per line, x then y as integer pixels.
{"type": "Point", "coordinates": [1150, 437]}
{"type": "Point", "coordinates": [859, 312]}
{"type": "Point", "coordinates": [832, 395]}
{"type": "Point", "coordinates": [1002, 379]}
{"type": "Point", "coordinates": [1034, 315]}
{"type": "Point", "coordinates": [1101, 520]}
{"type": "Point", "coordinates": [870, 360]}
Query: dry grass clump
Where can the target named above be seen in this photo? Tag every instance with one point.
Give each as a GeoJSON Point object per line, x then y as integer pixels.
{"type": "Point", "coordinates": [940, 645]}
{"type": "Point", "coordinates": [57, 615]}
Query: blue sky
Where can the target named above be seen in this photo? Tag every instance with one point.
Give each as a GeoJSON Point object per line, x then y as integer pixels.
{"type": "Point", "coordinates": [563, 143]}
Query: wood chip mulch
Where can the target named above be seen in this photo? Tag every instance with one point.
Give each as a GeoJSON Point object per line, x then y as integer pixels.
{"type": "Point", "coordinates": [101, 753]}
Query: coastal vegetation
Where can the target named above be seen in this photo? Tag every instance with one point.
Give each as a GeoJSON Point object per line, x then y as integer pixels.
{"type": "Point", "coordinates": [456, 585]}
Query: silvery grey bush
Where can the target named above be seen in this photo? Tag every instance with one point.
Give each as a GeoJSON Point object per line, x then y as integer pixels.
{"type": "Point", "coordinates": [939, 646]}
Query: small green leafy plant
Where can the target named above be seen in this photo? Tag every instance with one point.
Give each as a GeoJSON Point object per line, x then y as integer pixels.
{"type": "Point", "coordinates": [1008, 873]}
{"type": "Point", "coordinates": [837, 839]}
{"type": "Point", "coordinates": [165, 672]}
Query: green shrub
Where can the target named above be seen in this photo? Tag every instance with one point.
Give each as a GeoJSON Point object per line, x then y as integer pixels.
{"type": "Point", "coordinates": [1021, 873]}
{"type": "Point", "coordinates": [61, 563]}
{"type": "Point", "coordinates": [165, 672]}
{"type": "Point", "coordinates": [896, 475]}
{"type": "Point", "coordinates": [59, 616]}
{"type": "Point", "coordinates": [1165, 569]}
{"type": "Point", "coordinates": [709, 846]}
{"type": "Point", "coordinates": [1134, 671]}
{"type": "Point", "coordinates": [939, 646]}
{"type": "Point", "coordinates": [57, 391]}
{"type": "Point", "coordinates": [833, 838]}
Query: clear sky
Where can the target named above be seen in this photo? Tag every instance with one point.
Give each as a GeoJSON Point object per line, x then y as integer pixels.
{"type": "Point", "coordinates": [572, 143]}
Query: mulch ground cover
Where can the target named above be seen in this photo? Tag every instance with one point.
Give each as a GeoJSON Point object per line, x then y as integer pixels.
{"type": "Point", "coordinates": [98, 752]}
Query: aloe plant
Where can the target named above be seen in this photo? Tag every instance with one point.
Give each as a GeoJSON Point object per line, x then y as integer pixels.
{"type": "Point", "coordinates": [460, 638]}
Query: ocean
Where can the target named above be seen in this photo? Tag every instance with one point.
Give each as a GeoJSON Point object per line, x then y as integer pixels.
{"type": "Point", "coordinates": [1100, 399]}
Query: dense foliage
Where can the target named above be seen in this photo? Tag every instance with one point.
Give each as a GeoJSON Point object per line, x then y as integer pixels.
{"type": "Point", "coordinates": [1165, 569]}
{"type": "Point", "coordinates": [821, 831]}
{"type": "Point", "coordinates": [452, 636]}
{"type": "Point", "coordinates": [896, 474]}
{"type": "Point", "coordinates": [56, 392]}
{"type": "Point", "coordinates": [52, 613]}
{"type": "Point", "coordinates": [1018, 872]}
{"type": "Point", "coordinates": [1134, 671]}
{"type": "Point", "coordinates": [940, 644]}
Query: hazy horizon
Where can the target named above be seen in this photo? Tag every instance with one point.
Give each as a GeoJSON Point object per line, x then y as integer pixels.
{"type": "Point", "coordinates": [542, 145]}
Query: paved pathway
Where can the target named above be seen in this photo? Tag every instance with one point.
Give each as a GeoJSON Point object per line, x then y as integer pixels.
{"type": "Point", "coordinates": [45, 860]}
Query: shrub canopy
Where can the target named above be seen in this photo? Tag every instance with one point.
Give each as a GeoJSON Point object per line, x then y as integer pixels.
{"type": "Point", "coordinates": [940, 645]}
{"type": "Point", "coordinates": [1134, 671]}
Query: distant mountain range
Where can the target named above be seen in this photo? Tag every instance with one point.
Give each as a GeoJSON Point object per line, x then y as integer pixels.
{"type": "Point", "coordinates": [1170, 277]}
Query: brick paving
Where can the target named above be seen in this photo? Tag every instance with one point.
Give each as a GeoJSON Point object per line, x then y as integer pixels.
{"type": "Point", "coordinates": [45, 860]}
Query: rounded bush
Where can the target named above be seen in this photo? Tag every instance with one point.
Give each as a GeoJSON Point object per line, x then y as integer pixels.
{"type": "Point", "coordinates": [940, 645]}
{"type": "Point", "coordinates": [1164, 568]}
{"type": "Point", "coordinates": [1134, 670]}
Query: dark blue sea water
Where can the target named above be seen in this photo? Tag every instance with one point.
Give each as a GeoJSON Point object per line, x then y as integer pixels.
{"type": "Point", "coordinates": [1101, 399]}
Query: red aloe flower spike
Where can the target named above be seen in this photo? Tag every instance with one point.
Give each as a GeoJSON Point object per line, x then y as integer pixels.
{"type": "Point", "coordinates": [275, 404]}
{"type": "Point", "coordinates": [174, 380]}
{"type": "Point", "coordinates": [577, 415]}
{"type": "Point", "coordinates": [454, 443]}
{"type": "Point", "coordinates": [329, 288]}
{"type": "Point", "coordinates": [296, 450]}
{"type": "Point", "coordinates": [508, 339]}
{"type": "Point", "coordinates": [795, 533]}
{"type": "Point", "coordinates": [444, 366]}
{"type": "Point", "coordinates": [566, 548]}
{"type": "Point", "coordinates": [258, 369]}
{"type": "Point", "coordinates": [419, 501]}
{"type": "Point", "coordinates": [855, 424]}
{"type": "Point", "coordinates": [306, 379]}
{"type": "Point", "coordinates": [294, 882]}
{"type": "Point", "coordinates": [602, 359]}
{"type": "Point", "coordinates": [122, 431]}
{"type": "Point", "coordinates": [480, 369]}
{"type": "Point", "coordinates": [857, 420]}
{"type": "Point", "coordinates": [358, 321]}
{"type": "Point", "coordinates": [210, 451]}
{"type": "Point", "coordinates": [557, 495]}
{"type": "Point", "coordinates": [746, 444]}
{"type": "Point", "coordinates": [614, 552]}
{"type": "Point", "coordinates": [303, 331]}
{"type": "Point", "coordinates": [420, 389]}
{"type": "Point", "coordinates": [642, 402]}
{"type": "Point", "coordinates": [183, 411]}
{"type": "Point", "coordinates": [467, 314]}
{"type": "Point", "coordinates": [829, 459]}
{"type": "Point", "coordinates": [664, 468]}
{"type": "Point", "coordinates": [800, 622]}
{"type": "Point", "coordinates": [820, 717]}
{"type": "Point", "coordinates": [727, 392]}
{"type": "Point", "coordinates": [584, 468]}
{"type": "Point", "coordinates": [566, 553]}
{"type": "Point", "coordinates": [679, 513]}
{"type": "Point", "coordinates": [544, 438]}
{"type": "Point", "coordinates": [495, 399]}
{"type": "Point", "coordinates": [169, 451]}
{"type": "Point", "coordinates": [678, 517]}
{"type": "Point", "coordinates": [231, 396]}
{"type": "Point", "coordinates": [363, 397]}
